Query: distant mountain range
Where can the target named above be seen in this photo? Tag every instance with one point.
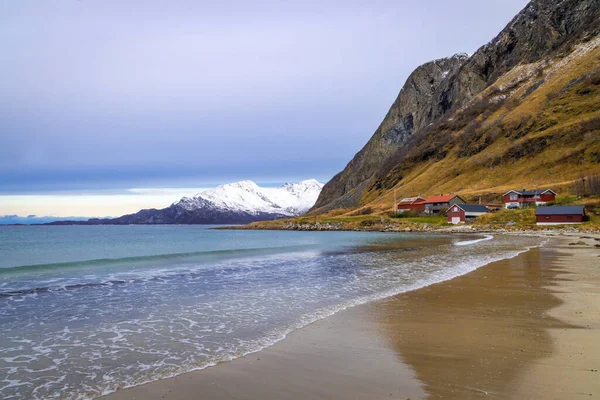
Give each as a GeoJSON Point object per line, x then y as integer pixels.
{"type": "Point", "coordinates": [235, 203]}
{"type": "Point", "coordinates": [34, 219]}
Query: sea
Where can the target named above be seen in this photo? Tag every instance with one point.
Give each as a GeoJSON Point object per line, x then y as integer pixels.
{"type": "Point", "coordinates": [88, 310]}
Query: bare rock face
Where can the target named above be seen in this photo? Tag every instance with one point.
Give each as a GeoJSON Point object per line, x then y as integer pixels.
{"type": "Point", "coordinates": [411, 111]}
{"type": "Point", "coordinates": [412, 106]}
{"type": "Point", "coordinates": [543, 29]}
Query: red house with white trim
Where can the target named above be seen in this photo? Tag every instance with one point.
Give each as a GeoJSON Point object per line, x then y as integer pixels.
{"type": "Point", "coordinates": [411, 204]}
{"type": "Point", "coordinates": [525, 198]}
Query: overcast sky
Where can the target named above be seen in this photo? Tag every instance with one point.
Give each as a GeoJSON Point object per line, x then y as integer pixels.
{"type": "Point", "coordinates": [101, 96]}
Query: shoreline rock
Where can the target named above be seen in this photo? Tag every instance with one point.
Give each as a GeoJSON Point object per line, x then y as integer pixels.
{"type": "Point", "coordinates": [377, 226]}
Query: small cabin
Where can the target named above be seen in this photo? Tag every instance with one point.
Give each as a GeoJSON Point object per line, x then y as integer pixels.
{"type": "Point", "coordinates": [411, 204]}
{"type": "Point", "coordinates": [525, 198]}
{"type": "Point", "coordinates": [560, 215]}
{"type": "Point", "coordinates": [435, 204]}
{"type": "Point", "coordinates": [459, 213]}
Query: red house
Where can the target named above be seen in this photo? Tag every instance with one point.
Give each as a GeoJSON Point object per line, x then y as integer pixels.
{"type": "Point", "coordinates": [435, 204]}
{"type": "Point", "coordinates": [459, 213]}
{"type": "Point", "coordinates": [560, 215]}
{"type": "Point", "coordinates": [411, 204]}
{"type": "Point", "coordinates": [525, 198]}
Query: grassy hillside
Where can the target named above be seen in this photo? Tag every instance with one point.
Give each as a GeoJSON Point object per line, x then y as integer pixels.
{"type": "Point", "coordinates": [537, 126]}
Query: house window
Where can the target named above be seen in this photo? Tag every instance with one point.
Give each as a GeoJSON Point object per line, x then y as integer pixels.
{"type": "Point", "coordinates": [455, 209]}
{"type": "Point", "coordinates": [569, 217]}
{"type": "Point", "coordinates": [547, 217]}
{"type": "Point", "coordinates": [513, 197]}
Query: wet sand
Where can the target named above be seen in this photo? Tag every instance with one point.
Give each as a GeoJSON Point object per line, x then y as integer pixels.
{"type": "Point", "coordinates": [528, 327]}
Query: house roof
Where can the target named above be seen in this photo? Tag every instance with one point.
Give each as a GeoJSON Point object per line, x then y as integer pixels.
{"type": "Point", "coordinates": [411, 200]}
{"type": "Point", "coordinates": [530, 192]}
{"type": "Point", "coordinates": [560, 210]}
{"type": "Point", "coordinates": [440, 199]}
{"type": "Point", "coordinates": [472, 207]}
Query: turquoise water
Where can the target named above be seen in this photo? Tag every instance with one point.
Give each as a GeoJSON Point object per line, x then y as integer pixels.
{"type": "Point", "coordinates": [85, 310]}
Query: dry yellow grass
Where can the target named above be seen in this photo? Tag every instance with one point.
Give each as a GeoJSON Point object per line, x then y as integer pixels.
{"type": "Point", "coordinates": [556, 118]}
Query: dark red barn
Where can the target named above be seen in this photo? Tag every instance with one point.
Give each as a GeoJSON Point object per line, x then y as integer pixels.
{"type": "Point", "coordinates": [560, 215]}
{"type": "Point", "coordinates": [411, 204]}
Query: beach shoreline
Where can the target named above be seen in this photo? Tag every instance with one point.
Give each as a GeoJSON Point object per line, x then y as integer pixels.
{"type": "Point", "coordinates": [401, 225]}
{"type": "Point", "coordinates": [383, 349]}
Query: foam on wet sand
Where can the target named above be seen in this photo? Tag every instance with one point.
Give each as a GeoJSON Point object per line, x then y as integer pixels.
{"type": "Point", "coordinates": [525, 327]}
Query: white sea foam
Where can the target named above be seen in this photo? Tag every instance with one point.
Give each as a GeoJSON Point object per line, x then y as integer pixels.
{"type": "Point", "coordinates": [470, 242]}
{"type": "Point", "coordinates": [278, 335]}
{"type": "Point", "coordinates": [147, 329]}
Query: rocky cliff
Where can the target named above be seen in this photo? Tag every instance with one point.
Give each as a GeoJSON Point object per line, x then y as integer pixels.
{"type": "Point", "coordinates": [413, 109]}
{"type": "Point", "coordinates": [545, 30]}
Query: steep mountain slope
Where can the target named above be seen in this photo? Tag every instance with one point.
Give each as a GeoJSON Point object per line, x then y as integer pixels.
{"type": "Point", "coordinates": [235, 203]}
{"type": "Point", "coordinates": [540, 37]}
{"type": "Point", "coordinates": [537, 126]}
{"type": "Point", "coordinates": [412, 110]}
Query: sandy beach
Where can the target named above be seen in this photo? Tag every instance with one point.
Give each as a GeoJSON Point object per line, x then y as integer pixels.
{"type": "Point", "coordinates": [527, 327]}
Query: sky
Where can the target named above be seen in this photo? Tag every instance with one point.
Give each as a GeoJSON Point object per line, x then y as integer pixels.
{"type": "Point", "coordinates": [101, 98]}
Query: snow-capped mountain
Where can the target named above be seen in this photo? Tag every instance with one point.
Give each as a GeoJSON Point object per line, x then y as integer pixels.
{"type": "Point", "coordinates": [290, 199]}
{"type": "Point", "coordinates": [235, 203]}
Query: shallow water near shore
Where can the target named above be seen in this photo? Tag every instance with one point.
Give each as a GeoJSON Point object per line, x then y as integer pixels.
{"type": "Point", "coordinates": [85, 311]}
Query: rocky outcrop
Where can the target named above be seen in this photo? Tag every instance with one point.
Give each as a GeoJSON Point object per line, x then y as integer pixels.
{"type": "Point", "coordinates": [542, 29]}
{"type": "Point", "coordinates": [412, 110]}
{"type": "Point", "coordinates": [545, 28]}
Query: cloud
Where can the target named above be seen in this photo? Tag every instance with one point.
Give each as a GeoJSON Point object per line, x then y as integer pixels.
{"type": "Point", "coordinates": [164, 191]}
{"type": "Point", "coordinates": [120, 94]}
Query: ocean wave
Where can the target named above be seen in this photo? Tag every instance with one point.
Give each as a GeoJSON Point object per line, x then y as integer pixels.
{"type": "Point", "coordinates": [153, 327]}
{"type": "Point", "coordinates": [470, 242]}
{"type": "Point", "coordinates": [193, 269]}
{"type": "Point", "coordinates": [276, 335]}
{"type": "Point", "coordinates": [157, 257]}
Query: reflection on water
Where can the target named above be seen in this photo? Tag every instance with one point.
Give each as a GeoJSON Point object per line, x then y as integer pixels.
{"type": "Point", "coordinates": [474, 336]}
